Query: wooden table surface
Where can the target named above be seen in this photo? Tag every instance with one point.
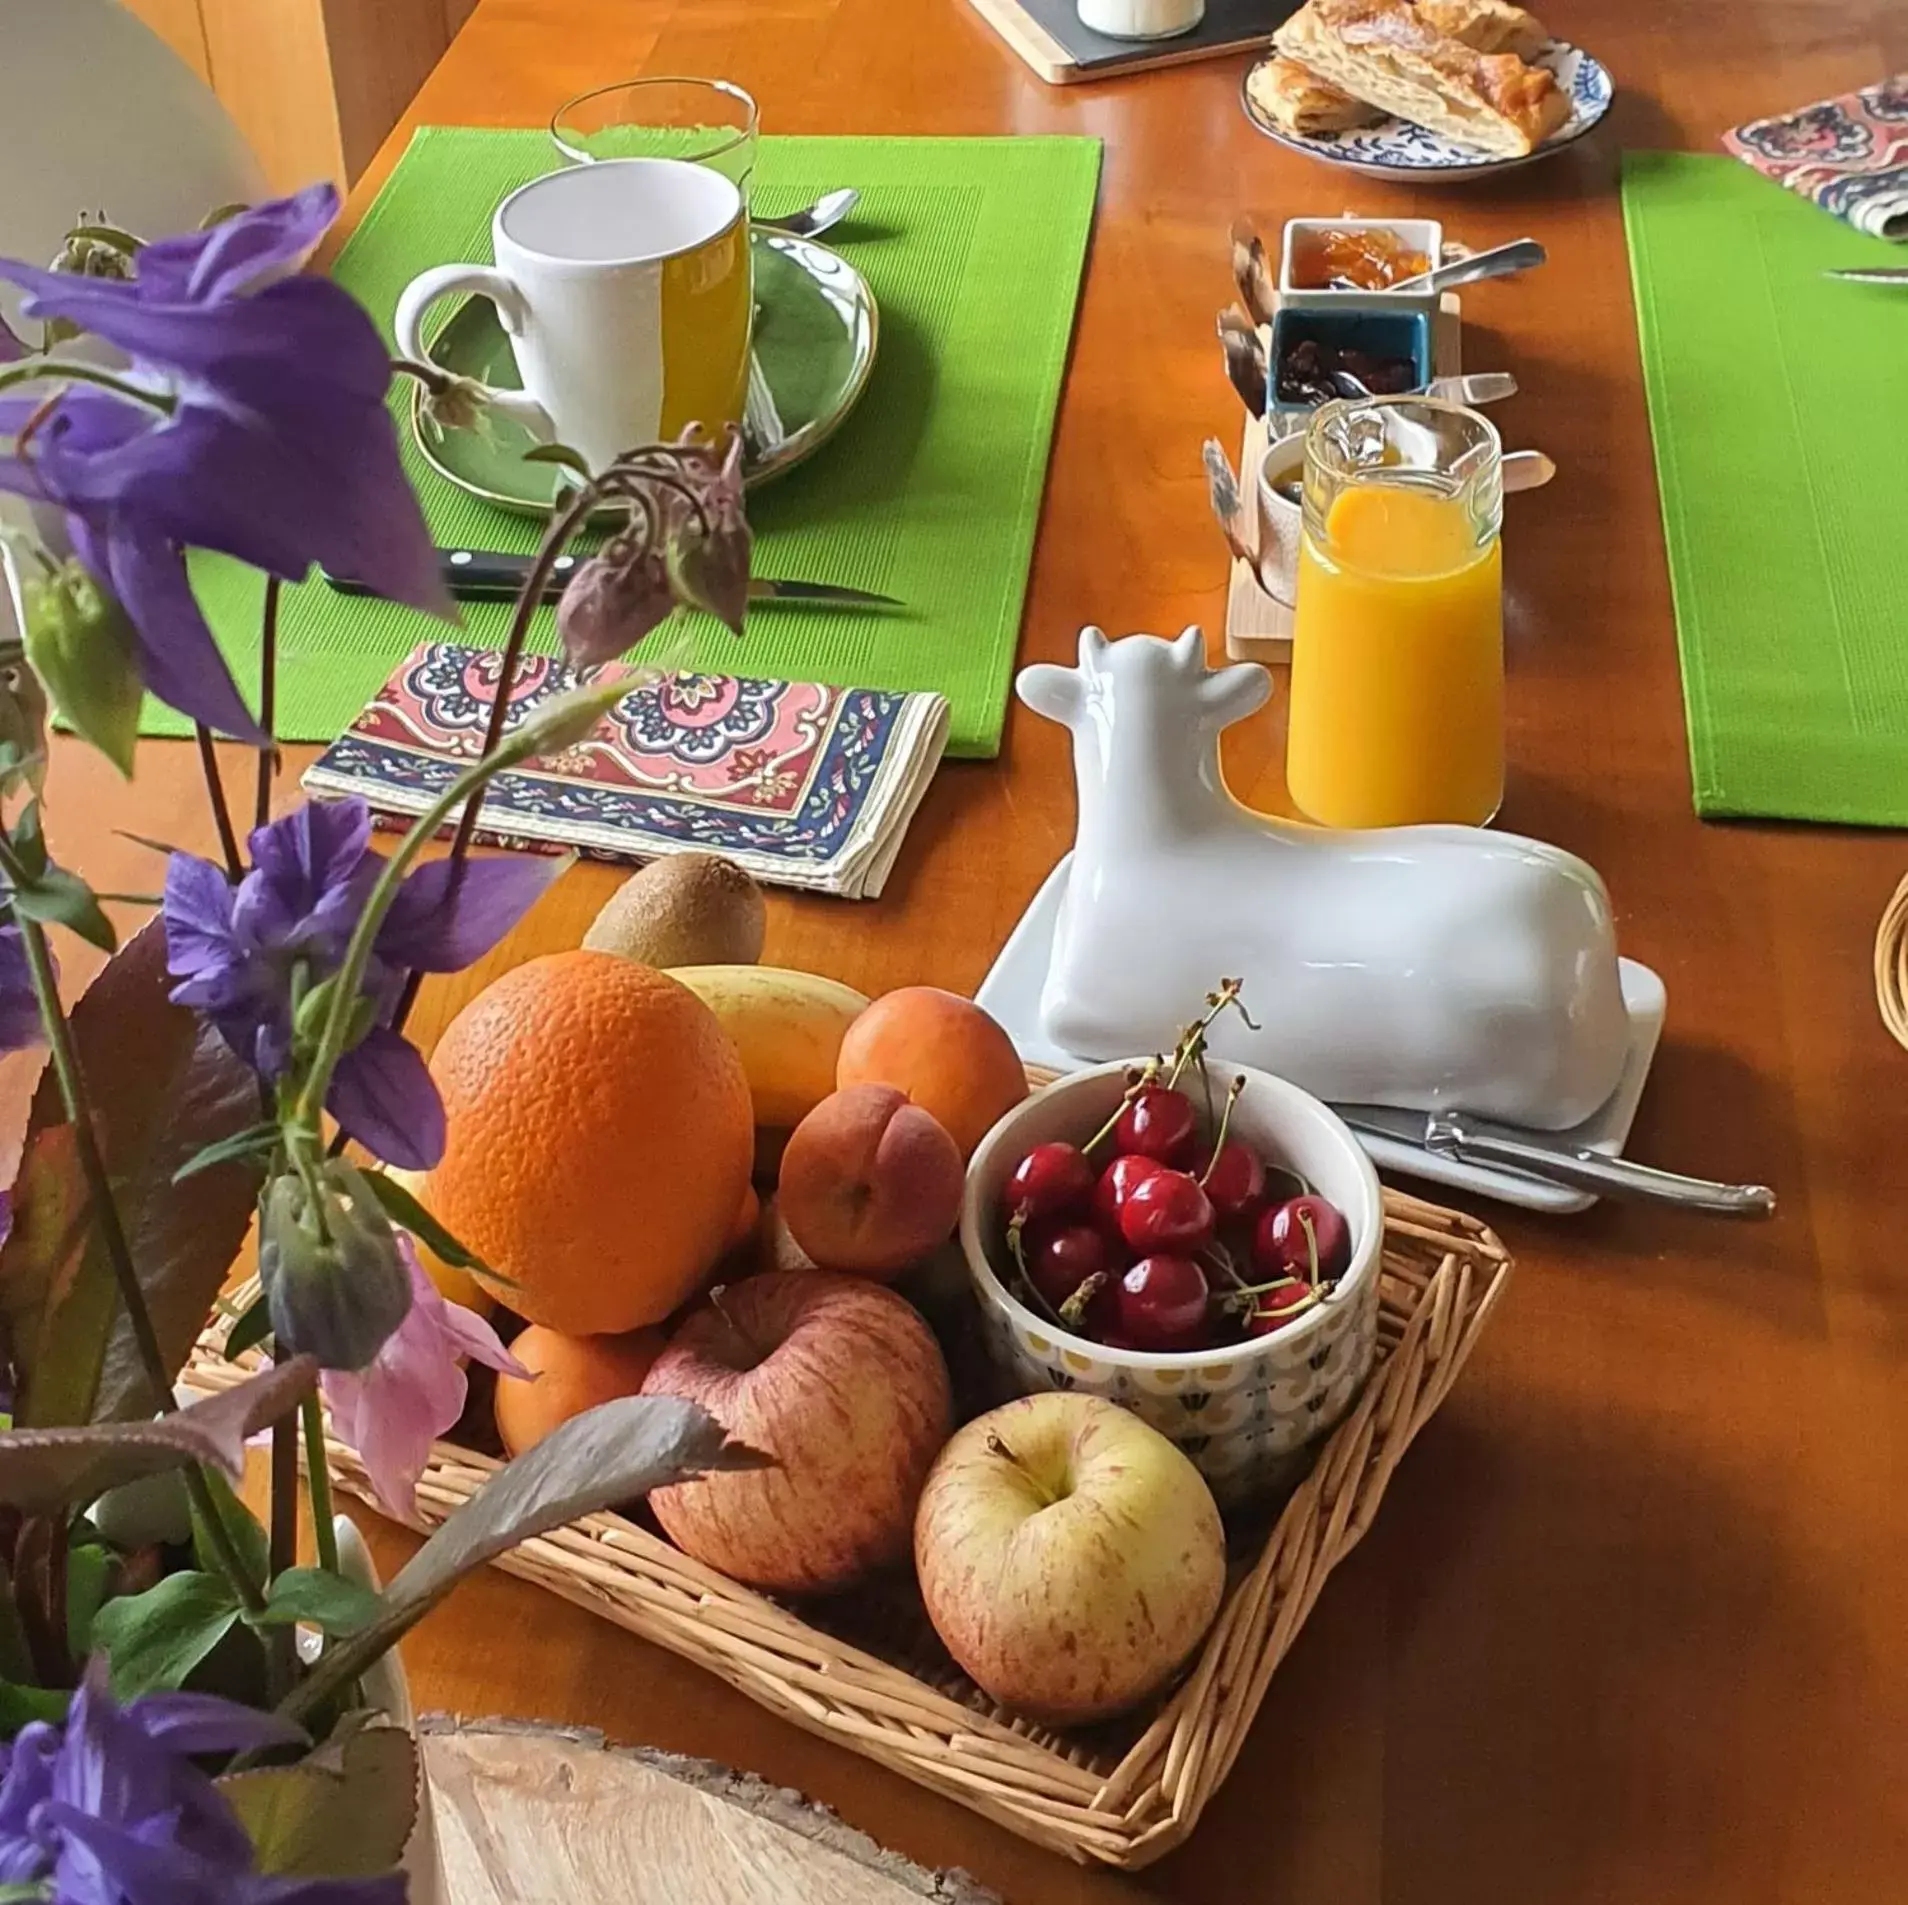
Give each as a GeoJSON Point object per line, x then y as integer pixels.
{"type": "Point", "coordinates": [1633, 1625]}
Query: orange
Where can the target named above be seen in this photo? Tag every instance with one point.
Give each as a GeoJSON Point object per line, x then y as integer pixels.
{"type": "Point", "coordinates": [948, 1055]}
{"type": "Point", "coordinates": [573, 1373]}
{"type": "Point", "coordinates": [599, 1139]}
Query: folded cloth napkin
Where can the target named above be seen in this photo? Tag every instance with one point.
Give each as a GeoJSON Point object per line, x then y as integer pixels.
{"type": "Point", "coordinates": [799, 784]}
{"type": "Point", "coordinates": [1849, 154]}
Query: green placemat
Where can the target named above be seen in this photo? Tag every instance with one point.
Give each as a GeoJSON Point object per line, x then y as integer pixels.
{"type": "Point", "coordinates": [1779, 406]}
{"type": "Point", "coordinates": [930, 492]}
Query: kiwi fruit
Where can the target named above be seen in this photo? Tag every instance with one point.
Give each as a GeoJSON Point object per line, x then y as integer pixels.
{"type": "Point", "coordinates": [688, 909]}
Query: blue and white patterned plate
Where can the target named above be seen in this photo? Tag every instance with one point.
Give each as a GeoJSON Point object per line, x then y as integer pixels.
{"type": "Point", "coordinates": [1395, 145]}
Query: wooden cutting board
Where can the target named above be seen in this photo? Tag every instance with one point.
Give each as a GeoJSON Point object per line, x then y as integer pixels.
{"type": "Point", "coordinates": [531, 1815]}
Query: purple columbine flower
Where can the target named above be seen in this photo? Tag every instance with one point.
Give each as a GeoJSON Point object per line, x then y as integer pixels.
{"type": "Point", "coordinates": [109, 1808]}
{"type": "Point", "coordinates": [278, 448]}
{"type": "Point", "coordinates": [234, 951]}
{"type": "Point", "coordinates": [20, 1025]}
{"type": "Point", "coordinates": [414, 1389]}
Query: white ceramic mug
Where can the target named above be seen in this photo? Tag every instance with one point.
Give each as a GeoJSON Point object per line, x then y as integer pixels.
{"type": "Point", "coordinates": [625, 291]}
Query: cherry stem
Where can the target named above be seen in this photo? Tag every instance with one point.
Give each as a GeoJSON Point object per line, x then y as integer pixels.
{"type": "Point", "coordinates": [1225, 1121]}
{"type": "Point", "coordinates": [1075, 1307]}
{"type": "Point", "coordinates": [1192, 1041]}
{"type": "Point", "coordinates": [1148, 1072]}
{"type": "Point", "coordinates": [1016, 1248]}
{"type": "Point", "coordinates": [1311, 1244]}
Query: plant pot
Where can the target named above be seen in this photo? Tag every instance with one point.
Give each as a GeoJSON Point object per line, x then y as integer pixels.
{"type": "Point", "coordinates": [387, 1691]}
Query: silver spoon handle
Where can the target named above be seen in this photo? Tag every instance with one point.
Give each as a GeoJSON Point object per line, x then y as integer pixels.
{"type": "Point", "coordinates": [1499, 262]}
{"type": "Point", "coordinates": [1587, 1170]}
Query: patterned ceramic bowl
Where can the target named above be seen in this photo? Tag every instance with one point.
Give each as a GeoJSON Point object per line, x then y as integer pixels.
{"type": "Point", "coordinates": [1246, 1414]}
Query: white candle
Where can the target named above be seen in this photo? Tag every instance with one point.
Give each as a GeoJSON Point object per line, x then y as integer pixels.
{"type": "Point", "coordinates": [1141, 19]}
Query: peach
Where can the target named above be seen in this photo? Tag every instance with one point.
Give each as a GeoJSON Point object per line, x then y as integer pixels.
{"type": "Point", "coordinates": [869, 1182]}
{"type": "Point", "coordinates": [943, 1051]}
{"type": "Point", "coordinates": [570, 1374]}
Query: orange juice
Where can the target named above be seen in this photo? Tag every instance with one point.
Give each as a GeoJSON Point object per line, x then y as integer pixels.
{"type": "Point", "coordinates": [1397, 663]}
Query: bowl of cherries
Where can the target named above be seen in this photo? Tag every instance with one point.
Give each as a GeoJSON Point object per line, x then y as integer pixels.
{"type": "Point", "coordinates": [1196, 1240]}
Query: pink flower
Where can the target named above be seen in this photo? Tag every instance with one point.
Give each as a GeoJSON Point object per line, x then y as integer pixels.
{"type": "Point", "coordinates": [414, 1389]}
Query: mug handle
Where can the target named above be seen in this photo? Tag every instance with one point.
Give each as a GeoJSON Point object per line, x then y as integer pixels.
{"type": "Point", "coordinates": [427, 287]}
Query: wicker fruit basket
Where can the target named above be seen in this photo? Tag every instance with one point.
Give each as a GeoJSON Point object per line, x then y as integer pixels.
{"type": "Point", "coordinates": [874, 1677]}
{"type": "Point", "coordinates": [1891, 964]}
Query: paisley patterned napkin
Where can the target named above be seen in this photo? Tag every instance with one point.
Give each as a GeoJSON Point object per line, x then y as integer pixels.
{"type": "Point", "coordinates": [802, 785]}
{"type": "Point", "coordinates": [1849, 154]}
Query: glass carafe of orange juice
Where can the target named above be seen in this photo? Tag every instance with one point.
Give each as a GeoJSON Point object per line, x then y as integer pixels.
{"type": "Point", "coordinates": [1397, 708]}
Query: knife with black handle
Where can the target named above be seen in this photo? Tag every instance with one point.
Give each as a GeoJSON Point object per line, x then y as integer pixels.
{"type": "Point", "coordinates": [475, 574]}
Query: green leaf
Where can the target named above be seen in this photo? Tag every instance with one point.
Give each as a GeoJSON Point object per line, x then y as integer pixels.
{"type": "Point", "coordinates": [562, 454]}
{"type": "Point", "coordinates": [251, 1329]}
{"type": "Point", "coordinates": [89, 1571]}
{"type": "Point", "coordinates": [404, 1210]}
{"type": "Point", "coordinates": [163, 1086]}
{"type": "Point", "coordinates": [61, 898]}
{"type": "Point", "coordinates": [29, 840]}
{"type": "Point", "coordinates": [46, 1469]}
{"type": "Point", "coordinates": [343, 1815]}
{"type": "Point", "coordinates": [83, 648]}
{"type": "Point", "coordinates": [19, 1705]}
{"type": "Point", "coordinates": [612, 1453]}
{"type": "Point", "coordinates": [152, 1641]}
{"type": "Point", "coordinates": [247, 1532]}
{"type": "Point", "coordinates": [319, 1599]}
{"type": "Point", "coordinates": [255, 1141]}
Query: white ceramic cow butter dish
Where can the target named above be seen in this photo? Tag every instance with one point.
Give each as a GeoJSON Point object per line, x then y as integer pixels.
{"type": "Point", "coordinates": [1425, 967]}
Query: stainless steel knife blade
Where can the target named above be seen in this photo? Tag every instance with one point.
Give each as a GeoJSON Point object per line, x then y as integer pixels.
{"type": "Point", "coordinates": [1474, 1140]}
{"type": "Point", "coordinates": [1871, 274]}
{"type": "Point", "coordinates": [480, 574]}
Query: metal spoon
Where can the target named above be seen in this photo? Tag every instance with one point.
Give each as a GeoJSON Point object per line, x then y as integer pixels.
{"type": "Point", "coordinates": [812, 220]}
{"type": "Point", "coordinates": [1499, 262]}
{"type": "Point", "coordinates": [1481, 387]}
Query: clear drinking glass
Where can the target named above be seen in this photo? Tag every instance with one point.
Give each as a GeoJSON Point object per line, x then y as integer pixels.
{"type": "Point", "coordinates": [707, 121]}
{"type": "Point", "coordinates": [1397, 711]}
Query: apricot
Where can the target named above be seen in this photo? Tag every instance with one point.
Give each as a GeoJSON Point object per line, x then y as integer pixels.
{"type": "Point", "coordinates": [571, 1374]}
{"type": "Point", "coordinates": [943, 1051]}
{"type": "Point", "coordinates": [869, 1182]}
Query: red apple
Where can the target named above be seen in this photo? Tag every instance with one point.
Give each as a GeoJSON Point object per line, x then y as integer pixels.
{"type": "Point", "coordinates": [838, 1380]}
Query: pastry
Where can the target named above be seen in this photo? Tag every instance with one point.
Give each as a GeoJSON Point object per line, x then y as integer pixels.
{"type": "Point", "coordinates": [1486, 26]}
{"type": "Point", "coordinates": [1298, 101]}
{"type": "Point", "coordinates": [1382, 52]}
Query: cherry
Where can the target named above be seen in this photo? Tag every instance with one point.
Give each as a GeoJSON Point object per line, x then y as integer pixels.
{"type": "Point", "coordinates": [1235, 1182]}
{"type": "Point", "coordinates": [1059, 1261]}
{"type": "Point", "coordinates": [1117, 1183]}
{"type": "Point", "coordinates": [1159, 1123]}
{"type": "Point", "coordinates": [1272, 1309]}
{"type": "Point", "coordinates": [1051, 1181]}
{"type": "Point", "coordinates": [1166, 1211]}
{"type": "Point", "coordinates": [1280, 1247]}
{"type": "Point", "coordinates": [1162, 1304]}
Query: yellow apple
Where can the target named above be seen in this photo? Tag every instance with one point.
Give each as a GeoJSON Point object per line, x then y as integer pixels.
{"type": "Point", "coordinates": [1070, 1557]}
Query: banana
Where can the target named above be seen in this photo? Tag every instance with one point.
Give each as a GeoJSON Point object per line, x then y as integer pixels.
{"type": "Point", "coordinates": [787, 1026]}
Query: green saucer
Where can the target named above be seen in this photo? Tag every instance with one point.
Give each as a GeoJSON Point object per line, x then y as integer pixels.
{"type": "Point", "coordinates": [815, 332]}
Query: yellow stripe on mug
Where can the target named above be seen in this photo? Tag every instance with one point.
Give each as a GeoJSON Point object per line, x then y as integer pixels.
{"type": "Point", "coordinates": [626, 293]}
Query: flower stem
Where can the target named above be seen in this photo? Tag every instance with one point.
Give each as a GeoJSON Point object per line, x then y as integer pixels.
{"type": "Point", "coordinates": [556, 539]}
{"type": "Point", "coordinates": [73, 1094]}
{"type": "Point", "coordinates": [281, 1644]}
{"type": "Point", "coordinates": [318, 1479]}
{"type": "Point", "coordinates": [70, 370]}
{"type": "Point", "coordinates": [529, 598]}
{"type": "Point", "coordinates": [348, 981]}
{"type": "Point", "coordinates": [221, 812]}
{"type": "Point", "coordinates": [267, 701]}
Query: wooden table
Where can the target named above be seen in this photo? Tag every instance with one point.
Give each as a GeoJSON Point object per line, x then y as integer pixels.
{"type": "Point", "coordinates": [1633, 1625]}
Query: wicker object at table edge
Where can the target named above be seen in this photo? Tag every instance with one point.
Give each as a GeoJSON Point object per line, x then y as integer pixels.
{"type": "Point", "coordinates": [1891, 963]}
{"type": "Point", "coordinates": [1443, 1274]}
